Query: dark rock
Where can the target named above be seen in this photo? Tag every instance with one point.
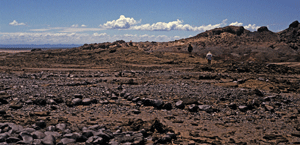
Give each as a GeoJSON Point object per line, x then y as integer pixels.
{"type": "Point", "coordinates": [2, 125]}
{"type": "Point", "coordinates": [297, 134]}
{"type": "Point", "coordinates": [51, 128]}
{"type": "Point", "coordinates": [164, 139]}
{"type": "Point", "coordinates": [179, 104]}
{"type": "Point", "coordinates": [91, 139]}
{"type": "Point", "coordinates": [147, 101]}
{"type": "Point", "coordinates": [171, 134]}
{"type": "Point", "coordinates": [2, 112]}
{"type": "Point", "coordinates": [76, 101]}
{"type": "Point", "coordinates": [28, 130]}
{"type": "Point", "coordinates": [105, 135]}
{"type": "Point", "coordinates": [41, 124]}
{"type": "Point", "coordinates": [37, 142]}
{"type": "Point", "coordinates": [75, 135]}
{"type": "Point", "coordinates": [12, 139]}
{"type": "Point", "coordinates": [278, 138]}
{"type": "Point", "coordinates": [15, 128]}
{"type": "Point", "coordinates": [193, 108]}
{"type": "Point", "coordinates": [269, 108]}
{"type": "Point", "coordinates": [40, 101]}
{"type": "Point", "coordinates": [243, 108]}
{"type": "Point", "coordinates": [124, 138]}
{"type": "Point", "coordinates": [86, 101]}
{"type": "Point", "coordinates": [51, 101]}
{"type": "Point", "coordinates": [66, 141]}
{"type": "Point", "coordinates": [3, 101]}
{"type": "Point", "coordinates": [38, 135]}
{"type": "Point", "coordinates": [297, 127]}
{"type": "Point", "coordinates": [114, 96]}
{"type": "Point", "coordinates": [27, 138]}
{"type": "Point", "coordinates": [258, 92]}
{"type": "Point", "coordinates": [158, 103]}
{"type": "Point", "coordinates": [49, 140]}
{"type": "Point", "coordinates": [204, 107]}
{"type": "Point", "coordinates": [61, 126]}
{"type": "Point", "coordinates": [96, 127]}
{"type": "Point", "coordinates": [52, 133]}
{"type": "Point", "coordinates": [135, 111]}
{"type": "Point", "coordinates": [78, 96]}
{"type": "Point", "coordinates": [87, 133]}
{"type": "Point", "coordinates": [99, 140]}
{"type": "Point", "coordinates": [136, 99]}
{"type": "Point", "coordinates": [167, 106]}
{"type": "Point", "coordinates": [16, 106]}
{"type": "Point", "coordinates": [3, 137]}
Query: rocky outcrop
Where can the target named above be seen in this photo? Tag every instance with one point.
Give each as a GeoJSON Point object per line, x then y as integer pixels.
{"type": "Point", "coordinates": [263, 29]}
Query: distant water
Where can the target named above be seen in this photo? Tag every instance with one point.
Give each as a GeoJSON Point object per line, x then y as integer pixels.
{"type": "Point", "coordinates": [32, 46]}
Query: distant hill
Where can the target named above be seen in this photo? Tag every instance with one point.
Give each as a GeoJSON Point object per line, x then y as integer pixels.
{"type": "Point", "coordinates": [237, 43]}
{"type": "Point", "coordinates": [232, 43]}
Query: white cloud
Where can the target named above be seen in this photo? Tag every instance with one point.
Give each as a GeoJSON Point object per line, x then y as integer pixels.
{"type": "Point", "coordinates": [74, 26]}
{"type": "Point", "coordinates": [15, 23]}
{"type": "Point", "coordinates": [176, 25]}
{"type": "Point", "coordinates": [236, 24]}
{"type": "Point", "coordinates": [131, 24]}
{"type": "Point", "coordinates": [252, 27]}
{"type": "Point", "coordinates": [99, 35]}
{"type": "Point", "coordinates": [121, 23]}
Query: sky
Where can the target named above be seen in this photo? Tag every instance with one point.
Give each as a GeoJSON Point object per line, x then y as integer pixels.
{"type": "Point", "coordinates": [97, 21]}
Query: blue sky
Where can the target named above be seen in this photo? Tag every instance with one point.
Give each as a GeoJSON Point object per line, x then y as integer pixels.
{"type": "Point", "coordinates": [96, 21]}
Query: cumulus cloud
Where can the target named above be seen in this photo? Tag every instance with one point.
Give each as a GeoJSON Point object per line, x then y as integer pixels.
{"type": "Point", "coordinates": [83, 25]}
{"type": "Point", "coordinates": [121, 23]}
{"type": "Point", "coordinates": [176, 25]}
{"type": "Point", "coordinates": [15, 23]}
{"type": "Point", "coordinates": [131, 24]}
{"type": "Point", "coordinates": [236, 24]}
{"type": "Point", "coordinates": [252, 27]}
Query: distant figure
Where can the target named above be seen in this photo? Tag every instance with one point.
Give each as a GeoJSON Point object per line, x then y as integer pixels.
{"type": "Point", "coordinates": [209, 57]}
{"type": "Point", "coordinates": [190, 48]}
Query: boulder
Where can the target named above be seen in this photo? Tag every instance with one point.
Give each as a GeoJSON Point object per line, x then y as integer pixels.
{"type": "Point", "coordinates": [179, 104]}
{"type": "Point", "coordinates": [49, 140]}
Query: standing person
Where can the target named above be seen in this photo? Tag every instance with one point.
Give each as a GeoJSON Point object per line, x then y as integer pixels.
{"type": "Point", "coordinates": [190, 48]}
{"type": "Point", "coordinates": [209, 57]}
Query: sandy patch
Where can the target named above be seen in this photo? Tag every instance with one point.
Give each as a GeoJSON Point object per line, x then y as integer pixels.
{"type": "Point", "coordinates": [13, 51]}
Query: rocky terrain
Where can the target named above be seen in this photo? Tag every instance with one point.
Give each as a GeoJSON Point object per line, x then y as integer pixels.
{"type": "Point", "coordinates": [156, 92]}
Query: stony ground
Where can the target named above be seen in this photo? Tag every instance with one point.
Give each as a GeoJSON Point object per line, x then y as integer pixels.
{"type": "Point", "coordinates": [169, 100]}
